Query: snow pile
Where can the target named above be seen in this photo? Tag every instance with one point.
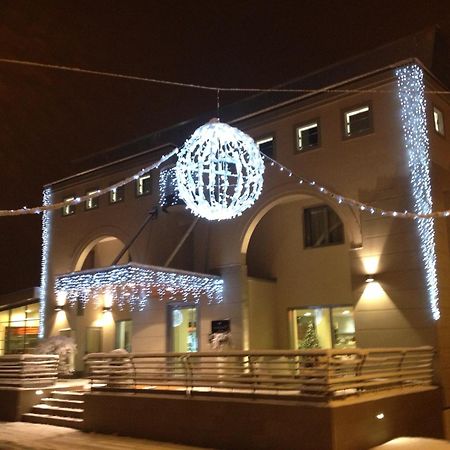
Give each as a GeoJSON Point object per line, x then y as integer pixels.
{"type": "Point", "coordinates": [413, 443]}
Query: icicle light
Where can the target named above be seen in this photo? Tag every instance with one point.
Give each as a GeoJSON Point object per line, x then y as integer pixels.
{"type": "Point", "coordinates": [413, 111]}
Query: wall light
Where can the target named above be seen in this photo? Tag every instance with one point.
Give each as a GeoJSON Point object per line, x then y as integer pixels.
{"type": "Point", "coordinates": [59, 308]}
{"type": "Point", "coordinates": [370, 279]}
{"type": "Point", "coordinates": [380, 416]}
{"type": "Point", "coordinates": [107, 309]}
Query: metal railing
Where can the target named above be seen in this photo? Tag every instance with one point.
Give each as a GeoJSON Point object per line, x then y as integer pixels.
{"type": "Point", "coordinates": [28, 370]}
{"type": "Point", "coordinates": [314, 374]}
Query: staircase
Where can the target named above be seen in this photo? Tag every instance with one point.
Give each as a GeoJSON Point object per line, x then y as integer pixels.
{"type": "Point", "coordinates": [62, 408]}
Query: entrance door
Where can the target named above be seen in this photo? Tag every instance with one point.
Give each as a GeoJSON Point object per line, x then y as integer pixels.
{"type": "Point", "coordinates": [183, 329]}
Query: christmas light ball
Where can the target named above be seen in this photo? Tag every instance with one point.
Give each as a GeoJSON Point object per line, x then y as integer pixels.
{"type": "Point", "coordinates": [219, 171]}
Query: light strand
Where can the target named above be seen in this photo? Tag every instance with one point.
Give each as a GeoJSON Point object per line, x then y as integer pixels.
{"type": "Point", "coordinates": [90, 195]}
{"type": "Point", "coordinates": [413, 113]}
{"type": "Point", "coordinates": [364, 207]}
{"type": "Point", "coordinates": [199, 86]}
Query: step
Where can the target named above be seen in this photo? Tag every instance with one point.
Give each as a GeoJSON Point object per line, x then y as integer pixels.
{"type": "Point", "coordinates": [53, 420]}
{"type": "Point", "coordinates": [63, 402]}
{"type": "Point", "coordinates": [42, 408]}
{"type": "Point", "coordinates": [68, 395]}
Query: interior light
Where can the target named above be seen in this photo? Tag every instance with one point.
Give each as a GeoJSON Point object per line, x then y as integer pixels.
{"type": "Point", "coordinates": [380, 416]}
{"type": "Point", "coordinates": [39, 392]}
{"type": "Point", "coordinates": [307, 314]}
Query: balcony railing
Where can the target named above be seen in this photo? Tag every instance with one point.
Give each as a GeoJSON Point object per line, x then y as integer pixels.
{"type": "Point", "coordinates": [28, 370]}
{"type": "Point", "coordinates": [313, 374]}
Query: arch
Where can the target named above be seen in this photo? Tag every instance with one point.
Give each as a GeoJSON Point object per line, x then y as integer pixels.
{"type": "Point", "coordinates": [278, 196]}
{"type": "Point", "coordinates": [89, 244]}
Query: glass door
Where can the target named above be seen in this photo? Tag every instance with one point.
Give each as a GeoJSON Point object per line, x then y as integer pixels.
{"type": "Point", "coordinates": [183, 329]}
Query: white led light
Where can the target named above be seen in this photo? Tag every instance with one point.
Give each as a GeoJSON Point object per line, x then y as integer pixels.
{"type": "Point", "coordinates": [133, 284]}
{"type": "Point", "coordinates": [45, 249]}
{"type": "Point", "coordinates": [413, 111]}
{"type": "Point", "coordinates": [219, 172]}
{"type": "Point", "coordinates": [168, 188]}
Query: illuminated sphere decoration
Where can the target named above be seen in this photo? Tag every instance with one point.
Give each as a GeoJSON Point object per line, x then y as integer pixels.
{"type": "Point", "coordinates": [219, 171]}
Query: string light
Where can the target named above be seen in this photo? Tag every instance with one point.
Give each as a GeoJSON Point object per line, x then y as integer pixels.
{"type": "Point", "coordinates": [219, 171]}
{"type": "Point", "coordinates": [168, 188]}
{"type": "Point", "coordinates": [413, 112]}
{"type": "Point", "coordinates": [45, 251]}
{"type": "Point", "coordinates": [133, 284]}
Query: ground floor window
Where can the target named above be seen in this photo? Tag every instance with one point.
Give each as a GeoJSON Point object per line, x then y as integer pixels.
{"type": "Point", "coordinates": [124, 330]}
{"type": "Point", "coordinates": [183, 329]}
{"type": "Point", "coordinates": [19, 329]}
{"type": "Point", "coordinates": [323, 327]}
{"type": "Point", "coordinates": [93, 339]}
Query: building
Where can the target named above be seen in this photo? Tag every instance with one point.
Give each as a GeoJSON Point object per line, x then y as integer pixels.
{"type": "Point", "coordinates": [301, 267]}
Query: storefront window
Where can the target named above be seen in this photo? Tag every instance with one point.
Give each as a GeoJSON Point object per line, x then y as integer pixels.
{"type": "Point", "coordinates": [183, 325]}
{"type": "Point", "coordinates": [19, 329]}
{"type": "Point", "coordinates": [323, 327]}
{"type": "Point", "coordinates": [123, 334]}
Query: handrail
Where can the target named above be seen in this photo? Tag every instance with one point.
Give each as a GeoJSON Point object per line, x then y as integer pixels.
{"type": "Point", "coordinates": [319, 374]}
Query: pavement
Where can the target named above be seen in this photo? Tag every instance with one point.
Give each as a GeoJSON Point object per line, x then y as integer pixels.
{"type": "Point", "coordinates": [30, 436]}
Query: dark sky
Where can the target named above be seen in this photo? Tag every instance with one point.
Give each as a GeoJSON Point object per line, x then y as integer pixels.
{"type": "Point", "coordinates": [50, 119]}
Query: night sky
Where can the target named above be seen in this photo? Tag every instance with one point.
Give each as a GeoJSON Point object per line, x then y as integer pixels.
{"type": "Point", "coordinates": [50, 120]}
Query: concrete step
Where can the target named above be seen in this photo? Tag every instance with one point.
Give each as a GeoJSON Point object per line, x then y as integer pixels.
{"type": "Point", "coordinates": [63, 402]}
{"type": "Point", "coordinates": [69, 422]}
{"type": "Point", "coordinates": [57, 411]}
{"type": "Point", "coordinates": [68, 395]}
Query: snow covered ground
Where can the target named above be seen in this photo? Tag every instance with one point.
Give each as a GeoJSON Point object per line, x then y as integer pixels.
{"type": "Point", "coordinates": [30, 436]}
{"type": "Point", "coordinates": [409, 443]}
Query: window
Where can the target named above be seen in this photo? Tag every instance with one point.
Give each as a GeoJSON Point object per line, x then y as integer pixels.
{"type": "Point", "coordinates": [19, 329]}
{"type": "Point", "coordinates": [323, 327]}
{"type": "Point", "coordinates": [438, 119]}
{"type": "Point", "coordinates": [183, 329]}
{"type": "Point", "coordinates": [68, 210]}
{"type": "Point", "coordinates": [266, 146]}
{"type": "Point", "coordinates": [117, 194]}
{"type": "Point", "coordinates": [91, 203]}
{"type": "Point", "coordinates": [93, 339]}
{"type": "Point", "coordinates": [307, 136]}
{"type": "Point", "coordinates": [322, 226]}
{"type": "Point", "coordinates": [123, 334]}
{"type": "Point", "coordinates": [143, 185]}
{"type": "Point", "coordinates": [358, 121]}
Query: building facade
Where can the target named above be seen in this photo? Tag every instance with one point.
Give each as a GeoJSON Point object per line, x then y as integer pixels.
{"type": "Point", "coordinates": [301, 268]}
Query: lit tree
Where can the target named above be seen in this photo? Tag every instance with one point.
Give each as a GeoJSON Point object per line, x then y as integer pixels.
{"type": "Point", "coordinates": [310, 340]}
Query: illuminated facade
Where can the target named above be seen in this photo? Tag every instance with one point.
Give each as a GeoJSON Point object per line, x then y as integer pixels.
{"type": "Point", "coordinates": [299, 269]}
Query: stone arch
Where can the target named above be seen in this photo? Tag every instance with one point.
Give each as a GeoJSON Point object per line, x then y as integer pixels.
{"type": "Point", "coordinates": [99, 241]}
{"type": "Point", "coordinates": [348, 215]}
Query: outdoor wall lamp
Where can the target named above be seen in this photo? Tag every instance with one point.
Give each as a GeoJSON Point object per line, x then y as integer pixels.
{"type": "Point", "coordinates": [107, 309]}
{"type": "Point", "coordinates": [59, 308]}
{"type": "Point", "coordinates": [370, 279]}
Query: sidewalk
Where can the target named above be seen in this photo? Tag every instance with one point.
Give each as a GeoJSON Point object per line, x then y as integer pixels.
{"type": "Point", "coordinates": [30, 436]}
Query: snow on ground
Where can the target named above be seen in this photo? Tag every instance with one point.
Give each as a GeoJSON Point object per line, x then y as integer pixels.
{"type": "Point", "coordinates": [31, 436]}
{"type": "Point", "coordinates": [410, 443]}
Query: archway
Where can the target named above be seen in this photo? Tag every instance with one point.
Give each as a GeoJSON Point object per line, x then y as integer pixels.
{"type": "Point", "coordinates": [101, 252]}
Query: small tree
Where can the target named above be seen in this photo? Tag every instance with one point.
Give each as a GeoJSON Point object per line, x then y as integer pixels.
{"type": "Point", "coordinates": [310, 340]}
{"type": "Point", "coordinates": [59, 345]}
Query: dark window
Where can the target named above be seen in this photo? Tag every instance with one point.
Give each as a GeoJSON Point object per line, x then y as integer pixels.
{"type": "Point", "coordinates": [266, 146]}
{"type": "Point", "coordinates": [117, 194]}
{"type": "Point", "coordinates": [322, 226]}
{"type": "Point", "coordinates": [308, 136]}
{"type": "Point", "coordinates": [358, 121]}
{"type": "Point", "coordinates": [143, 185]}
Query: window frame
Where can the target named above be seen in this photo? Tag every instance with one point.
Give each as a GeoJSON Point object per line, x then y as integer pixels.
{"type": "Point", "coordinates": [354, 109]}
{"type": "Point", "coordinates": [438, 110]}
{"type": "Point", "coordinates": [72, 208]}
{"type": "Point", "coordinates": [110, 202]}
{"type": "Point", "coordinates": [266, 138]}
{"type": "Point", "coordinates": [143, 194]}
{"type": "Point", "coordinates": [304, 124]}
{"type": "Point", "coordinates": [95, 201]}
{"type": "Point", "coordinates": [327, 244]}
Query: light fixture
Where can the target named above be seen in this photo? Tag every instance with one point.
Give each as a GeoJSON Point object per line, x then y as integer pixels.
{"type": "Point", "coordinates": [380, 416]}
{"type": "Point", "coordinates": [369, 279]}
{"type": "Point", "coordinates": [107, 309]}
{"type": "Point", "coordinates": [59, 308]}
{"type": "Point", "coordinates": [39, 392]}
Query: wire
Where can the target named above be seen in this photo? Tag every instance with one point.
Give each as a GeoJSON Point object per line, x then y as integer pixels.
{"type": "Point", "coordinates": [196, 86]}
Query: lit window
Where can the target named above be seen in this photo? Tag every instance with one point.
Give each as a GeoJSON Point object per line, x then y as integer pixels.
{"type": "Point", "coordinates": [91, 203]}
{"type": "Point", "coordinates": [68, 209]}
{"type": "Point", "coordinates": [358, 121]}
{"type": "Point", "coordinates": [266, 146]}
{"type": "Point", "coordinates": [117, 195]}
{"type": "Point", "coordinates": [323, 327]}
{"type": "Point", "coordinates": [143, 185]}
{"type": "Point", "coordinates": [438, 118]}
{"type": "Point", "coordinates": [322, 226]}
{"type": "Point", "coordinates": [308, 136]}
